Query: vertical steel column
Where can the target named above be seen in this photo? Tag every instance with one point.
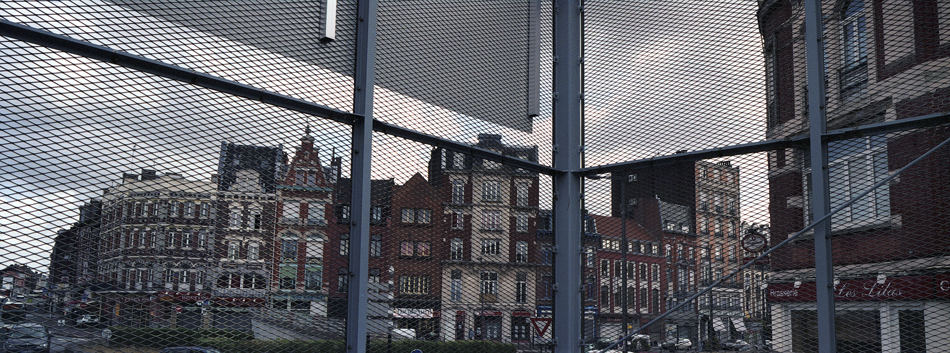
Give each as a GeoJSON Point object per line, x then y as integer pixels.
{"type": "Point", "coordinates": [356, 314]}
{"type": "Point", "coordinates": [567, 184]}
{"type": "Point", "coordinates": [820, 184]}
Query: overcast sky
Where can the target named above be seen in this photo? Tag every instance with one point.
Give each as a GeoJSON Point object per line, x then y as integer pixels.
{"type": "Point", "coordinates": [661, 76]}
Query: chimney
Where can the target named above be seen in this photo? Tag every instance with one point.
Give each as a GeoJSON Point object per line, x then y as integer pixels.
{"type": "Point", "coordinates": [129, 177]}
{"type": "Point", "coordinates": [148, 174]}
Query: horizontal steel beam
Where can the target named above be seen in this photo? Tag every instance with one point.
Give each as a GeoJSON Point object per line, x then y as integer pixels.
{"type": "Point", "coordinates": [800, 141]}
{"type": "Point", "coordinates": [172, 72]}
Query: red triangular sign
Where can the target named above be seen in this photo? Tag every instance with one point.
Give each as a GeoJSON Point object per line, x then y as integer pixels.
{"type": "Point", "coordinates": [541, 330]}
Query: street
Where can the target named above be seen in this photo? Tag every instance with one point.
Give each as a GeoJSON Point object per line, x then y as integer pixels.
{"type": "Point", "coordinates": [64, 336]}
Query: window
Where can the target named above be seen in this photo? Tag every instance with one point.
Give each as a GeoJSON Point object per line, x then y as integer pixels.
{"type": "Point", "coordinates": [375, 246]}
{"type": "Point", "coordinates": [189, 209]}
{"type": "Point", "coordinates": [546, 254]}
{"type": "Point", "coordinates": [546, 223]}
{"type": "Point", "coordinates": [288, 280]}
{"type": "Point", "coordinates": [253, 251]}
{"type": "Point", "coordinates": [202, 238]}
{"type": "Point", "coordinates": [184, 277]}
{"type": "Point", "coordinates": [854, 166]}
{"type": "Point", "coordinates": [590, 225]}
{"type": "Point", "coordinates": [205, 210]}
{"type": "Point", "coordinates": [521, 194]}
{"type": "Point", "coordinates": [546, 290]}
{"type": "Point", "coordinates": [490, 191]}
{"type": "Point", "coordinates": [491, 246]}
{"type": "Point", "coordinates": [604, 296]}
{"type": "Point", "coordinates": [458, 191]}
{"type": "Point", "coordinates": [414, 284]}
{"type": "Point", "coordinates": [373, 276]}
{"type": "Point", "coordinates": [343, 280]}
{"type": "Point", "coordinates": [300, 178]}
{"type": "Point", "coordinates": [415, 249]}
{"type": "Point", "coordinates": [521, 251]}
{"type": "Point", "coordinates": [313, 279]}
{"type": "Point", "coordinates": [343, 213]}
{"type": "Point", "coordinates": [458, 219]}
{"type": "Point", "coordinates": [456, 251]}
{"type": "Point", "coordinates": [199, 277]}
{"type": "Point", "coordinates": [186, 236]}
{"type": "Point", "coordinates": [491, 220]}
{"type": "Point", "coordinates": [315, 214]}
{"type": "Point", "coordinates": [631, 270]}
{"type": "Point", "coordinates": [604, 268]}
{"type": "Point", "coordinates": [152, 239]}
{"type": "Point", "coordinates": [173, 209]}
{"type": "Point", "coordinates": [416, 215]}
{"type": "Point", "coordinates": [489, 287]}
{"type": "Point", "coordinates": [233, 250]}
{"type": "Point", "coordinates": [291, 211]}
{"type": "Point", "coordinates": [521, 223]}
{"type": "Point", "coordinates": [170, 238]}
{"type": "Point", "coordinates": [344, 244]}
{"type": "Point", "coordinates": [376, 214]}
{"type": "Point", "coordinates": [234, 221]}
{"type": "Point", "coordinates": [521, 287]}
{"type": "Point", "coordinates": [145, 209]}
{"type": "Point", "coordinates": [853, 74]}
{"type": "Point", "coordinates": [456, 290]}
{"type": "Point", "coordinates": [288, 250]}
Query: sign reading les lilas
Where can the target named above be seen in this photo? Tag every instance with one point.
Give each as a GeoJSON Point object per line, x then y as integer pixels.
{"type": "Point", "coordinates": [871, 289]}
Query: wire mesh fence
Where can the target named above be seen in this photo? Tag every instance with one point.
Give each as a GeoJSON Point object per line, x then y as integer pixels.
{"type": "Point", "coordinates": [186, 177]}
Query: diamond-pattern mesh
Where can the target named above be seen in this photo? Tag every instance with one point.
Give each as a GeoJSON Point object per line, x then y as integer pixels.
{"type": "Point", "coordinates": [143, 213]}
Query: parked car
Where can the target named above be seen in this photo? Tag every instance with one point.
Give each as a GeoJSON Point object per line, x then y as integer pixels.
{"type": "Point", "coordinates": [736, 345]}
{"type": "Point", "coordinates": [189, 350]}
{"type": "Point", "coordinates": [87, 320]}
{"type": "Point", "coordinates": [681, 344]}
{"type": "Point", "coordinates": [26, 337]}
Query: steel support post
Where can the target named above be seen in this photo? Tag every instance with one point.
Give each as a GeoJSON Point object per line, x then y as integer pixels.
{"type": "Point", "coordinates": [820, 185]}
{"type": "Point", "coordinates": [567, 101]}
{"type": "Point", "coordinates": [356, 315]}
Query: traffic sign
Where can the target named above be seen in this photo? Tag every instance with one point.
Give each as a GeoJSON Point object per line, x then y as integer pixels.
{"type": "Point", "coordinates": [179, 308]}
{"type": "Point", "coordinates": [83, 305]}
{"type": "Point", "coordinates": [540, 330]}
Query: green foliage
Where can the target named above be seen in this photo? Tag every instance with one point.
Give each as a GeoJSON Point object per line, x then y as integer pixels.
{"type": "Point", "coordinates": [168, 337]}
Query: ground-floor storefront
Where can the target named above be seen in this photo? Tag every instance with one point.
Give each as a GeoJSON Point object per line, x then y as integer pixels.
{"type": "Point", "coordinates": [900, 314]}
{"type": "Point", "coordinates": [420, 316]}
{"type": "Point", "coordinates": [488, 325]}
{"type": "Point", "coordinates": [191, 310]}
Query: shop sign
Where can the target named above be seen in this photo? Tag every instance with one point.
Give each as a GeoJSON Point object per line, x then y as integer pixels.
{"type": "Point", "coordinates": [521, 313]}
{"type": "Point", "coordinates": [894, 288]}
{"type": "Point", "coordinates": [488, 313]}
{"type": "Point", "coordinates": [942, 286]}
{"type": "Point", "coordinates": [134, 299]}
{"type": "Point", "coordinates": [301, 297]}
{"type": "Point", "coordinates": [413, 313]}
{"type": "Point", "coordinates": [545, 310]}
{"type": "Point", "coordinates": [240, 302]}
{"type": "Point", "coordinates": [183, 296]}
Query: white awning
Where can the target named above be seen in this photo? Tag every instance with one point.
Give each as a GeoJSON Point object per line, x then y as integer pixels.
{"type": "Point", "coordinates": [719, 325]}
{"type": "Point", "coordinates": [740, 325]}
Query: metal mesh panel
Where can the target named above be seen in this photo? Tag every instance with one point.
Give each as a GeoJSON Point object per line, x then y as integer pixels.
{"type": "Point", "coordinates": [279, 46]}
{"type": "Point", "coordinates": [146, 210]}
{"type": "Point", "coordinates": [123, 210]}
{"type": "Point", "coordinates": [457, 69]}
{"type": "Point", "coordinates": [674, 76]}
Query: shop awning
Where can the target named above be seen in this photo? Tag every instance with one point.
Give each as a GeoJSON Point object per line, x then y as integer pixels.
{"type": "Point", "coordinates": [719, 325]}
{"type": "Point", "coordinates": [740, 325]}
